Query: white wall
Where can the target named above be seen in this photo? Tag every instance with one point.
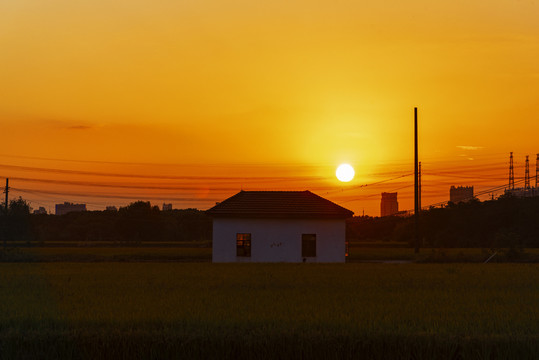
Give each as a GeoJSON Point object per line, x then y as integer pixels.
{"type": "Point", "coordinates": [279, 240]}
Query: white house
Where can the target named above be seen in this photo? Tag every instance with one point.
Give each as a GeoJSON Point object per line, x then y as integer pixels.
{"type": "Point", "coordinates": [278, 226]}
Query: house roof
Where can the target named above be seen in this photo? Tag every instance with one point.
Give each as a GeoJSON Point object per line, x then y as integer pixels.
{"type": "Point", "coordinates": [278, 204]}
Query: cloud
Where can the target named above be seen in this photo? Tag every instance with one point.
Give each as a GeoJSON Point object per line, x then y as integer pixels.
{"type": "Point", "coordinates": [468, 147]}
{"type": "Point", "coordinates": [79, 127]}
{"type": "Point", "coordinates": [65, 124]}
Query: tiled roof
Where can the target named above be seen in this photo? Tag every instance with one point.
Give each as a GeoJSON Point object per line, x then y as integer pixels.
{"type": "Point", "coordinates": [278, 204]}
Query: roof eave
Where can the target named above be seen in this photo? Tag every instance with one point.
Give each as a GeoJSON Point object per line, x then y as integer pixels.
{"type": "Point", "coordinates": [278, 216]}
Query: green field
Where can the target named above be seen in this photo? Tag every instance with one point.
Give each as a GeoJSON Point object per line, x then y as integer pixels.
{"type": "Point", "coordinates": [106, 254]}
{"type": "Point", "coordinates": [193, 252]}
{"type": "Point", "coordinates": [202, 310]}
{"type": "Point", "coordinates": [442, 255]}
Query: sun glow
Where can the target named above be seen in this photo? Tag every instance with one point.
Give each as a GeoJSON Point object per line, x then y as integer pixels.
{"type": "Point", "coordinates": [345, 172]}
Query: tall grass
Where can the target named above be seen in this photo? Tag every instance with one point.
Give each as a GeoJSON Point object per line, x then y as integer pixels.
{"type": "Point", "coordinates": [203, 254]}
{"type": "Point", "coordinates": [106, 254]}
{"type": "Point", "coordinates": [130, 310]}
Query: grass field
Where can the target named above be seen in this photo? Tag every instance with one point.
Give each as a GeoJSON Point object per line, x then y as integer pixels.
{"type": "Point", "coordinates": [193, 252]}
{"type": "Point", "coordinates": [106, 254]}
{"type": "Point", "coordinates": [439, 255]}
{"type": "Point", "coordinates": [203, 310]}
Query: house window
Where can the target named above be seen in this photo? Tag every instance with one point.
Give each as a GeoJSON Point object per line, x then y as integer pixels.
{"type": "Point", "coordinates": [243, 245]}
{"type": "Point", "coordinates": [308, 245]}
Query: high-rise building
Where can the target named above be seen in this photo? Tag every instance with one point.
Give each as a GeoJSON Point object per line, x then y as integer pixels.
{"type": "Point", "coordinates": [460, 193]}
{"type": "Point", "coordinates": [389, 204]}
{"type": "Point", "coordinates": [67, 207]}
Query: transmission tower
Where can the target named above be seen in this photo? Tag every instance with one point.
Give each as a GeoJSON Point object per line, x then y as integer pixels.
{"type": "Point", "coordinates": [511, 173]}
{"type": "Point", "coordinates": [527, 173]}
{"type": "Point", "coordinates": [536, 169]}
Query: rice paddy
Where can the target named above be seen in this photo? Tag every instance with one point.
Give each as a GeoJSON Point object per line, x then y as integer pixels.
{"type": "Point", "coordinates": [194, 252]}
{"type": "Point", "coordinates": [204, 310]}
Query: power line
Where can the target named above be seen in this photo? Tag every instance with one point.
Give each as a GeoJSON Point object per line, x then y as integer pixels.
{"type": "Point", "coordinates": [484, 192]}
{"type": "Point", "coordinates": [190, 181]}
{"type": "Point", "coordinates": [369, 184]}
{"type": "Point", "coordinates": [162, 177]}
{"type": "Point", "coordinates": [363, 197]}
{"type": "Point", "coordinates": [114, 196]}
{"type": "Point", "coordinates": [448, 174]}
{"type": "Point", "coordinates": [111, 185]}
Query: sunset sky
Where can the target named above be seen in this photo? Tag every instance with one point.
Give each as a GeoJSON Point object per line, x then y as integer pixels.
{"type": "Point", "coordinates": [108, 102]}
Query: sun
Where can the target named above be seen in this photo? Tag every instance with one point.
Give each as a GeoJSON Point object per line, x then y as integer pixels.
{"type": "Point", "coordinates": [345, 172]}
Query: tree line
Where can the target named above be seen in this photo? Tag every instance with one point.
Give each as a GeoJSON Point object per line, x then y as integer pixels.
{"type": "Point", "coordinates": [135, 223]}
{"type": "Point", "coordinates": [505, 222]}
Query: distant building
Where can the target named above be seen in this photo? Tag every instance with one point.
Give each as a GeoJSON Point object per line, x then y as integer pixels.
{"type": "Point", "coordinates": [111, 208]}
{"type": "Point", "coordinates": [389, 204]}
{"type": "Point", "coordinates": [167, 207]}
{"type": "Point", "coordinates": [460, 194]}
{"type": "Point", "coordinates": [39, 211]}
{"type": "Point", "coordinates": [67, 207]}
{"type": "Point", "coordinates": [278, 226]}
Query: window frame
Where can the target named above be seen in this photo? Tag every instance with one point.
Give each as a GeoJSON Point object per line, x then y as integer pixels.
{"type": "Point", "coordinates": [243, 245]}
{"type": "Point", "coordinates": [307, 248]}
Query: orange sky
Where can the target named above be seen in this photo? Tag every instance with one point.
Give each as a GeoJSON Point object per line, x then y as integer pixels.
{"type": "Point", "coordinates": [264, 95]}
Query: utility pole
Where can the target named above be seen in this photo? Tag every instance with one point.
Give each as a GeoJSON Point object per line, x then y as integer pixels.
{"type": "Point", "coordinates": [419, 185]}
{"type": "Point", "coordinates": [416, 185]}
{"type": "Point", "coordinates": [536, 169]}
{"type": "Point", "coordinates": [511, 173]}
{"type": "Point", "coordinates": [4, 231]}
{"type": "Point", "coordinates": [527, 173]}
{"type": "Point", "coordinates": [6, 191]}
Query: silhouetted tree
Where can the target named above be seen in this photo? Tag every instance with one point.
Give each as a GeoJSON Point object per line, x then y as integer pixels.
{"type": "Point", "coordinates": [507, 222]}
{"type": "Point", "coordinates": [367, 228]}
{"type": "Point", "coordinates": [15, 224]}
